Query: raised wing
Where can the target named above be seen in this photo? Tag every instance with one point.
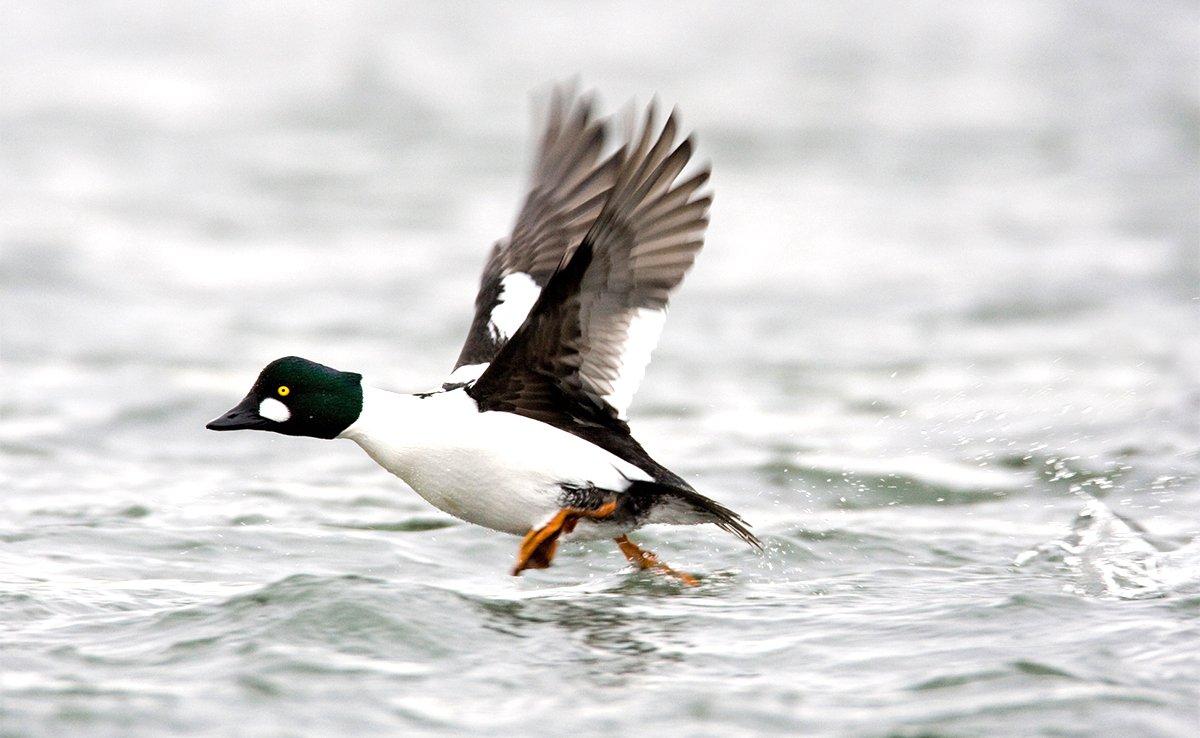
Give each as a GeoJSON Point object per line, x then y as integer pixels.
{"type": "Point", "coordinates": [580, 355]}
{"type": "Point", "coordinates": [577, 359]}
{"type": "Point", "coordinates": [568, 187]}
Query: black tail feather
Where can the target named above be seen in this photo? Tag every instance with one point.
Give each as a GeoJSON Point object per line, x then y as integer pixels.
{"type": "Point", "coordinates": [642, 496]}
{"type": "Point", "coordinates": [722, 517]}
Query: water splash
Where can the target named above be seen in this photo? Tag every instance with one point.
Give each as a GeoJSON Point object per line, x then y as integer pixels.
{"type": "Point", "coordinates": [1108, 555]}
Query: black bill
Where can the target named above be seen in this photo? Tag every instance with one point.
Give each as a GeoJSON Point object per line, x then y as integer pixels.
{"type": "Point", "coordinates": [244, 416]}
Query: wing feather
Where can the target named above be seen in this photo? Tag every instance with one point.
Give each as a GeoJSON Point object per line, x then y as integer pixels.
{"type": "Point", "coordinates": [569, 184]}
{"type": "Point", "coordinates": [588, 339]}
{"type": "Point", "coordinates": [581, 352]}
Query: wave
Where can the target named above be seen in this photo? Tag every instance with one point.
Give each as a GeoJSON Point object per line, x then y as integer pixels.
{"type": "Point", "coordinates": [1109, 555]}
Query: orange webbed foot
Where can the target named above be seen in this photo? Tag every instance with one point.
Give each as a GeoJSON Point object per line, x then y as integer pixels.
{"type": "Point", "coordinates": [539, 544]}
{"type": "Point", "coordinates": [647, 560]}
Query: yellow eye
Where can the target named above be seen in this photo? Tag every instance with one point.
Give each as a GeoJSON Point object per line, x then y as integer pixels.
{"type": "Point", "coordinates": [283, 390]}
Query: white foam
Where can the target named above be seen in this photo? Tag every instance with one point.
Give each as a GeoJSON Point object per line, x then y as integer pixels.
{"type": "Point", "coordinates": [1109, 557]}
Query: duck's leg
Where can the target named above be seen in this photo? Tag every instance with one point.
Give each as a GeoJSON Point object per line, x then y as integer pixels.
{"type": "Point", "coordinates": [646, 560]}
{"type": "Point", "coordinates": [538, 546]}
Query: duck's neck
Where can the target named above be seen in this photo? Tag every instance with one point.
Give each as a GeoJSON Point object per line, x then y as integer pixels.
{"type": "Point", "coordinates": [395, 429]}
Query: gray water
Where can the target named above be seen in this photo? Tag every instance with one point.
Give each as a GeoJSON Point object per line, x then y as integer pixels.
{"type": "Point", "coordinates": [941, 350]}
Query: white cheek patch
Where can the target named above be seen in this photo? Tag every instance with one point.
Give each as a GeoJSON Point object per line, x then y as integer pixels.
{"type": "Point", "coordinates": [273, 409]}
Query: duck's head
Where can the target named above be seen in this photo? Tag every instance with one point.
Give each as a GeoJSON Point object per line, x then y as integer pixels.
{"type": "Point", "coordinates": [297, 397]}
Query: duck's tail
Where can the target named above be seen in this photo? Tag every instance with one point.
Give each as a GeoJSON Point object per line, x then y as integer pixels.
{"type": "Point", "coordinates": [721, 516]}
{"type": "Point", "coordinates": [708, 510]}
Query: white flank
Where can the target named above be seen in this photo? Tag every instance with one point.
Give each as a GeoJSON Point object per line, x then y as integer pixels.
{"type": "Point", "coordinates": [640, 340]}
{"type": "Point", "coordinates": [273, 409]}
{"type": "Point", "coordinates": [466, 373]}
{"type": "Point", "coordinates": [518, 292]}
{"type": "Point", "coordinates": [495, 469]}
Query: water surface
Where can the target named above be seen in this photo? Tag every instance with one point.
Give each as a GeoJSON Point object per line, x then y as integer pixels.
{"type": "Point", "coordinates": [941, 349]}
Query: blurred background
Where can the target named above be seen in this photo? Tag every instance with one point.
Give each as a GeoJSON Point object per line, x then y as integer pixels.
{"type": "Point", "coordinates": [941, 349]}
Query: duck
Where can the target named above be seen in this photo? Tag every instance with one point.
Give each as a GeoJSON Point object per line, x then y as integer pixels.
{"type": "Point", "coordinates": [529, 433]}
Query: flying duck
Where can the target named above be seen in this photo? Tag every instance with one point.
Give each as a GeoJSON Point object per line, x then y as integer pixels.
{"type": "Point", "coordinates": [528, 434]}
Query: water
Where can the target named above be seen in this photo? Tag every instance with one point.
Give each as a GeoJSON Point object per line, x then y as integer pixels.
{"type": "Point", "coordinates": [941, 350]}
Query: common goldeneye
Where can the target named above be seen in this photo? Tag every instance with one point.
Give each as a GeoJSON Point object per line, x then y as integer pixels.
{"type": "Point", "coordinates": [528, 434]}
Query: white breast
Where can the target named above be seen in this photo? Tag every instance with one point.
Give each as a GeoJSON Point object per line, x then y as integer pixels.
{"type": "Point", "coordinates": [494, 469]}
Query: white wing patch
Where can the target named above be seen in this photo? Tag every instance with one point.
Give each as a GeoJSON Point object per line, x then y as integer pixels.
{"type": "Point", "coordinates": [640, 339]}
{"type": "Point", "coordinates": [518, 292]}
{"type": "Point", "coordinates": [273, 409]}
{"type": "Point", "coordinates": [466, 373]}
